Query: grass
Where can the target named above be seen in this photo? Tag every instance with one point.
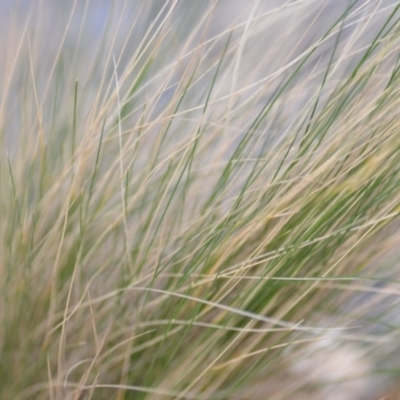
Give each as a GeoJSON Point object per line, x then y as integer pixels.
{"type": "Point", "coordinates": [191, 210]}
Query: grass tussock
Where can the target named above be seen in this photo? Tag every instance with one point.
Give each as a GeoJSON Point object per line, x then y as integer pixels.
{"type": "Point", "coordinates": [193, 209]}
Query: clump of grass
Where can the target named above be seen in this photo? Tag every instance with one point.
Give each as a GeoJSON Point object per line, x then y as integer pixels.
{"type": "Point", "coordinates": [184, 209]}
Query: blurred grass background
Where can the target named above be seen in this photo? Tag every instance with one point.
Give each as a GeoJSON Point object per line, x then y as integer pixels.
{"type": "Point", "coordinates": [199, 200]}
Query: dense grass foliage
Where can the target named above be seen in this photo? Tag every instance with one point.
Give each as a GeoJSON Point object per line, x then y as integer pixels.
{"type": "Point", "coordinates": [195, 209]}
